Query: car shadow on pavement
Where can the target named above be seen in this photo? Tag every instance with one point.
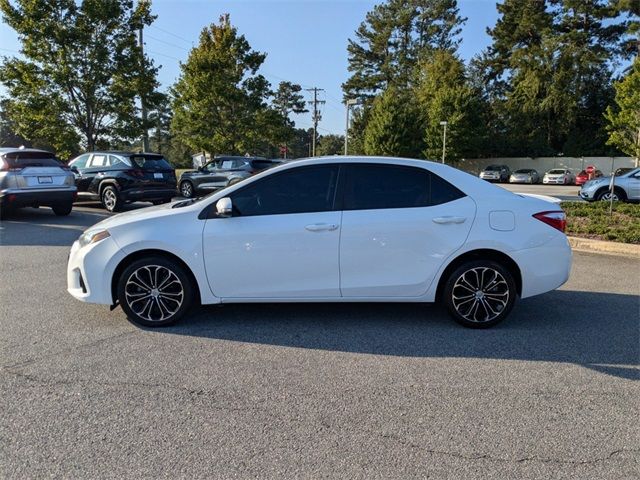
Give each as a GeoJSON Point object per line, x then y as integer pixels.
{"type": "Point", "coordinates": [41, 227]}
{"type": "Point", "coordinates": [595, 330]}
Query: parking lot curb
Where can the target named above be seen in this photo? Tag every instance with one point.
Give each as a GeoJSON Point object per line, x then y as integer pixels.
{"type": "Point", "coordinates": [601, 246]}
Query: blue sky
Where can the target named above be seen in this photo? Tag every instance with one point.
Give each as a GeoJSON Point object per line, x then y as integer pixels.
{"type": "Point", "coordinates": [305, 40]}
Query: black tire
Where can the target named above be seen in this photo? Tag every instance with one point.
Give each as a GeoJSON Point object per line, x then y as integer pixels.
{"type": "Point", "coordinates": [62, 209]}
{"type": "Point", "coordinates": [233, 181]}
{"type": "Point", "coordinates": [478, 310]}
{"type": "Point", "coordinates": [110, 199]}
{"type": "Point", "coordinates": [164, 306]}
{"type": "Point", "coordinates": [619, 195]}
{"type": "Point", "coordinates": [5, 212]}
{"type": "Point", "coordinates": [160, 202]}
{"type": "Point", "coordinates": [186, 189]}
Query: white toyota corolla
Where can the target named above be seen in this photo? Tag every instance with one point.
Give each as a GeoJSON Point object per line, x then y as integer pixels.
{"type": "Point", "coordinates": [338, 229]}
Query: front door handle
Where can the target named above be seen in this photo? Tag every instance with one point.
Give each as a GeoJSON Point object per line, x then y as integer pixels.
{"type": "Point", "coordinates": [444, 220]}
{"type": "Point", "coordinates": [321, 227]}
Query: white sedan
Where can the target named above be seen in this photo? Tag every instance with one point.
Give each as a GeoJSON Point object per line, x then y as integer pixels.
{"type": "Point", "coordinates": [338, 229]}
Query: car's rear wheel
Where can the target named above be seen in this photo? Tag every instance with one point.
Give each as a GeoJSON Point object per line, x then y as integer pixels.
{"type": "Point", "coordinates": [110, 198]}
{"type": "Point", "coordinates": [62, 209]}
{"type": "Point", "coordinates": [155, 292]}
{"type": "Point", "coordinates": [160, 202]}
{"type": "Point", "coordinates": [480, 293]}
{"type": "Point", "coordinates": [186, 189]}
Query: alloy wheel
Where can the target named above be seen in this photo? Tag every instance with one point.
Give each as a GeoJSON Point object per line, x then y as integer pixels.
{"type": "Point", "coordinates": [186, 190]}
{"type": "Point", "coordinates": [480, 294]}
{"type": "Point", "coordinates": [154, 293]}
{"type": "Point", "coordinates": [109, 199]}
{"type": "Point", "coordinates": [608, 196]}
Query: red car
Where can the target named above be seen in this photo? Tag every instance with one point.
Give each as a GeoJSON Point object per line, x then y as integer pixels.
{"type": "Point", "coordinates": [583, 177]}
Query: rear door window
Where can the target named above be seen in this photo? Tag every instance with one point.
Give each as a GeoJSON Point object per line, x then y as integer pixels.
{"type": "Point", "coordinates": [98, 161]}
{"type": "Point", "coordinates": [378, 186]}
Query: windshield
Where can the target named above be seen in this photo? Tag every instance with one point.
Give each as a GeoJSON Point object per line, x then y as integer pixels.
{"type": "Point", "coordinates": [622, 171]}
{"type": "Point", "coordinates": [492, 168]}
{"type": "Point", "coordinates": [31, 159]}
{"type": "Point", "coordinates": [523, 171]}
{"type": "Point", "coordinates": [151, 162]}
{"type": "Point", "coordinates": [556, 172]}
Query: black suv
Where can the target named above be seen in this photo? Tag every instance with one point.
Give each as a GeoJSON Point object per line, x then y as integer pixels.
{"type": "Point", "coordinates": [119, 177]}
{"type": "Point", "coordinates": [221, 172]}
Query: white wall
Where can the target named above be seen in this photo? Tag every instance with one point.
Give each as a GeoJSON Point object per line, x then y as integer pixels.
{"type": "Point", "coordinates": [544, 164]}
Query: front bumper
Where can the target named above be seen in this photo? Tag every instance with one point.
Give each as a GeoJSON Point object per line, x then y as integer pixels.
{"type": "Point", "coordinates": [44, 196]}
{"type": "Point", "coordinates": [553, 181]}
{"type": "Point", "coordinates": [90, 270]}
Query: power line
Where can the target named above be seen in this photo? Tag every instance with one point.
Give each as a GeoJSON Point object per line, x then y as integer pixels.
{"type": "Point", "coordinates": [190, 42]}
{"type": "Point", "coordinates": [317, 116]}
{"type": "Point", "coordinates": [167, 43]}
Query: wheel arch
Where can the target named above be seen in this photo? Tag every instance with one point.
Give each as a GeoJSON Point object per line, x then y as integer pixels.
{"type": "Point", "coordinates": [481, 254]}
{"type": "Point", "coordinates": [107, 183]}
{"type": "Point", "coordinates": [139, 254]}
{"type": "Point", "coordinates": [617, 189]}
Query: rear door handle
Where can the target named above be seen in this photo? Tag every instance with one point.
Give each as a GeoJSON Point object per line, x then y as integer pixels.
{"type": "Point", "coordinates": [444, 220]}
{"type": "Point", "coordinates": [321, 227]}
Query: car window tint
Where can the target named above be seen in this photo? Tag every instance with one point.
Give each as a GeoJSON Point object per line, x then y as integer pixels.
{"type": "Point", "coordinates": [300, 190]}
{"type": "Point", "coordinates": [21, 159]}
{"type": "Point", "coordinates": [119, 162]}
{"type": "Point", "coordinates": [227, 164]}
{"type": "Point", "coordinates": [386, 186]}
{"type": "Point", "coordinates": [442, 191]}
{"type": "Point", "coordinates": [150, 162]}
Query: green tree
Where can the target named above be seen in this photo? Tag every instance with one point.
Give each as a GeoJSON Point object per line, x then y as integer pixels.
{"type": "Point", "coordinates": [220, 101]}
{"type": "Point", "coordinates": [624, 118]}
{"type": "Point", "coordinates": [394, 36]}
{"type": "Point", "coordinates": [80, 73]}
{"type": "Point", "coordinates": [330, 144]}
{"type": "Point", "coordinates": [394, 127]}
{"type": "Point", "coordinates": [443, 94]}
{"type": "Point", "coordinates": [288, 99]}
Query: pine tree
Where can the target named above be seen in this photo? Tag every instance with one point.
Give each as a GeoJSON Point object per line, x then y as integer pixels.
{"type": "Point", "coordinates": [444, 94]}
{"type": "Point", "coordinates": [394, 127]}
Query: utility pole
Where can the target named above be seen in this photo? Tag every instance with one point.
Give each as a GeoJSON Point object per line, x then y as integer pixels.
{"type": "Point", "coordinates": [444, 139]}
{"type": "Point", "coordinates": [348, 103]}
{"type": "Point", "coordinates": [317, 116]}
{"type": "Point", "coordinates": [143, 107]}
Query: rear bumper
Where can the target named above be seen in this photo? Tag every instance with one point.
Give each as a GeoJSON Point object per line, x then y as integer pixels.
{"type": "Point", "coordinates": [135, 194]}
{"type": "Point", "coordinates": [27, 198]}
{"type": "Point", "coordinates": [544, 268]}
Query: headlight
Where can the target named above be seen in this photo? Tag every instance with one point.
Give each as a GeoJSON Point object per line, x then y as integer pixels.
{"type": "Point", "coordinates": [92, 236]}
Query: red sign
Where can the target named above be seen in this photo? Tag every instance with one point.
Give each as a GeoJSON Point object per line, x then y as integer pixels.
{"type": "Point", "coordinates": [590, 169]}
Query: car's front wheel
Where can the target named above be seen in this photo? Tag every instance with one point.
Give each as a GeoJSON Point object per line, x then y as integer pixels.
{"type": "Point", "coordinates": [608, 195]}
{"type": "Point", "coordinates": [480, 293]}
{"type": "Point", "coordinates": [155, 292]}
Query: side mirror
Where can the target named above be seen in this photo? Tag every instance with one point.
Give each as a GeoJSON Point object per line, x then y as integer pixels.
{"type": "Point", "coordinates": [224, 207]}
{"type": "Point", "coordinates": [74, 169]}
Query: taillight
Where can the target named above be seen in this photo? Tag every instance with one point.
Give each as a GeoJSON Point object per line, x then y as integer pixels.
{"type": "Point", "coordinates": [556, 219]}
{"type": "Point", "coordinates": [136, 173]}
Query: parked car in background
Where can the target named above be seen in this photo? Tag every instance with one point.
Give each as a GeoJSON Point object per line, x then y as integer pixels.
{"type": "Point", "coordinates": [583, 177]}
{"type": "Point", "coordinates": [525, 175]}
{"type": "Point", "coordinates": [330, 229]}
{"type": "Point", "coordinates": [116, 178]}
{"type": "Point", "coordinates": [496, 173]}
{"type": "Point", "coordinates": [626, 188]}
{"type": "Point", "coordinates": [221, 172]}
{"type": "Point", "coordinates": [622, 170]}
{"type": "Point", "coordinates": [34, 178]}
{"type": "Point", "coordinates": [559, 176]}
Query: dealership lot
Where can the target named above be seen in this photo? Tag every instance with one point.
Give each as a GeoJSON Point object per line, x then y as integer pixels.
{"type": "Point", "coordinates": [355, 391]}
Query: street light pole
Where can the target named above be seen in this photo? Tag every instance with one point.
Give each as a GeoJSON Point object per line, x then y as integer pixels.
{"type": "Point", "coordinates": [444, 139]}
{"type": "Point", "coordinates": [348, 103]}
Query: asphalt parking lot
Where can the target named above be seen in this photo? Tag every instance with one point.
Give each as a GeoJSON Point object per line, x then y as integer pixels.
{"type": "Point", "coordinates": [309, 391]}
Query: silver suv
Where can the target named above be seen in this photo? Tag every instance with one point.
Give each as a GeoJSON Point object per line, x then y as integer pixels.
{"type": "Point", "coordinates": [626, 187]}
{"type": "Point", "coordinates": [33, 178]}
